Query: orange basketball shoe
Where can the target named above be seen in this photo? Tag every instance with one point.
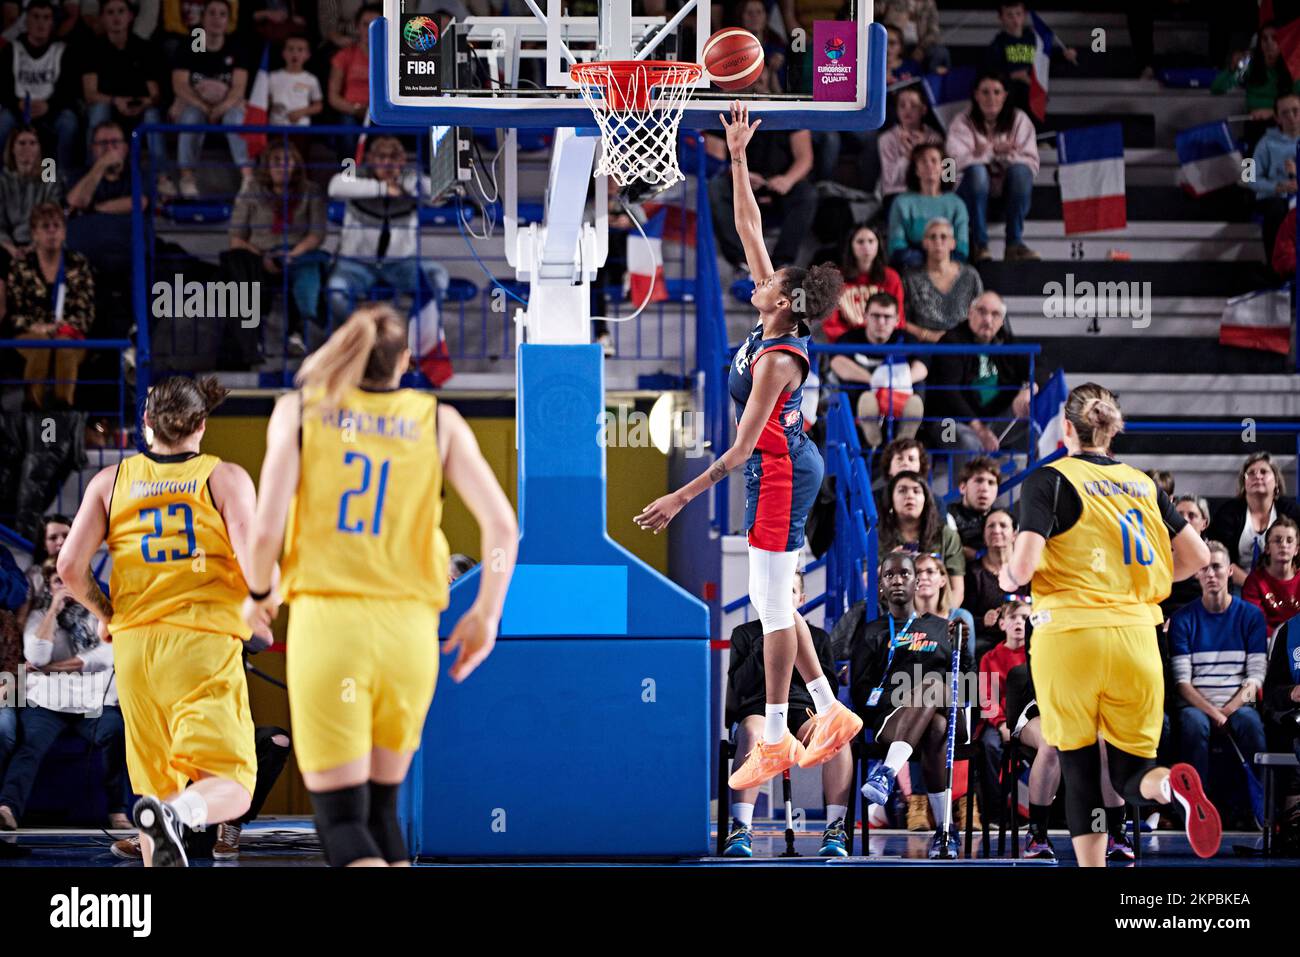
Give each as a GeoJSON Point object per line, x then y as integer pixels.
{"type": "Point", "coordinates": [765, 762]}
{"type": "Point", "coordinates": [831, 731]}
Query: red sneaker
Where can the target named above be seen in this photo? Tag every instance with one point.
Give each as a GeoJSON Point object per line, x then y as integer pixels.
{"type": "Point", "coordinates": [1204, 829]}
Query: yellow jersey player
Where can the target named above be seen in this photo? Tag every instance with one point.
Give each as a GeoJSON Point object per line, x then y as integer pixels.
{"type": "Point", "coordinates": [352, 488]}
{"type": "Point", "coordinates": [177, 524]}
{"type": "Point", "coordinates": [1102, 545]}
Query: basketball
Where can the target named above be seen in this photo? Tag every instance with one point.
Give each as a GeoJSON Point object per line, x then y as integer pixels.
{"type": "Point", "coordinates": [733, 59]}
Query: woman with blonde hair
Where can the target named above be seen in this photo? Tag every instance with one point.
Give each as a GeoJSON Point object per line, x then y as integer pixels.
{"type": "Point", "coordinates": [352, 488]}
{"type": "Point", "coordinates": [1100, 544]}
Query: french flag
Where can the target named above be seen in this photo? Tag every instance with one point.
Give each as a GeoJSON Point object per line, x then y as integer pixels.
{"type": "Point", "coordinates": [1258, 320]}
{"type": "Point", "coordinates": [1047, 409]}
{"type": "Point", "coordinates": [949, 93]}
{"type": "Point", "coordinates": [645, 262]}
{"type": "Point", "coordinates": [1092, 178]}
{"type": "Point", "coordinates": [1208, 159]}
{"type": "Point", "coordinates": [1044, 42]}
{"type": "Point", "coordinates": [259, 105]}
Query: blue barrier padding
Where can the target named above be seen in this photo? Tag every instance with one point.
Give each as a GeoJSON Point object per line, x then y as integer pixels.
{"type": "Point", "coordinates": [604, 600]}
{"type": "Point", "coordinates": [563, 748]}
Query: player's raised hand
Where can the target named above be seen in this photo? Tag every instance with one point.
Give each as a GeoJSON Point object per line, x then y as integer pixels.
{"type": "Point", "coordinates": [474, 637]}
{"type": "Point", "coordinates": [739, 131]}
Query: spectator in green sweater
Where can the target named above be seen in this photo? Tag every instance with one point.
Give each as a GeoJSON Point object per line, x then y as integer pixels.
{"type": "Point", "coordinates": [928, 197]}
{"type": "Point", "coordinates": [1265, 75]}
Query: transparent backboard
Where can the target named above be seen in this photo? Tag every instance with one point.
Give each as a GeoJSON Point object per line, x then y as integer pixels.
{"type": "Point", "coordinates": [823, 70]}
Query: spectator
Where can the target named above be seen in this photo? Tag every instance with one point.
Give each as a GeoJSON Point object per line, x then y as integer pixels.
{"type": "Point", "coordinates": [294, 94]}
{"type": "Point", "coordinates": [106, 187]}
{"type": "Point", "coordinates": [1197, 513]}
{"type": "Point", "coordinates": [984, 596]}
{"type": "Point", "coordinates": [459, 565]}
{"type": "Point", "coordinates": [13, 600]}
{"type": "Point", "coordinates": [897, 66]}
{"type": "Point", "coordinates": [977, 480]}
{"type": "Point", "coordinates": [752, 16]}
{"type": "Point", "coordinates": [35, 82]}
{"type": "Point", "coordinates": [911, 521]}
{"type": "Point", "coordinates": [939, 294]}
{"type": "Point", "coordinates": [277, 20]}
{"type": "Point", "coordinates": [181, 17]}
{"type": "Point", "coordinates": [917, 23]}
{"type": "Point", "coordinates": [887, 383]}
{"type": "Point", "coordinates": [52, 534]}
{"type": "Point", "coordinates": [210, 87]}
{"type": "Point", "coordinates": [905, 455]}
{"type": "Point", "coordinates": [122, 84]}
{"type": "Point", "coordinates": [1012, 619]}
{"type": "Point", "coordinates": [380, 238]}
{"type": "Point", "coordinates": [69, 687]}
{"type": "Point", "coordinates": [897, 144]}
{"type": "Point", "coordinates": [1273, 586]}
{"type": "Point", "coordinates": [349, 78]}
{"type": "Point", "coordinates": [22, 187]}
{"type": "Point", "coordinates": [932, 594]}
{"type": "Point", "coordinates": [925, 201]}
{"type": "Point", "coordinates": [277, 227]}
{"type": "Point", "coordinates": [1265, 75]}
{"type": "Point", "coordinates": [996, 154]}
{"type": "Point", "coordinates": [1163, 478]}
{"type": "Point", "coordinates": [980, 392]}
{"type": "Point", "coordinates": [1283, 257]}
{"type": "Point", "coordinates": [1219, 652]}
{"type": "Point", "coordinates": [885, 655]}
{"type": "Point", "coordinates": [1274, 184]}
{"type": "Point", "coordinates": [51, 296]}
{"type": "Point", "coordinates": [1013, 50]}
{"type": "Point", "coordinates": [779, 164]}
{"type": "Point", "coordinates": [745, 708]}
{"type": "Point", "coordinates": [1241, 523]}
{"type": "Point", "coordinates": [865, 274]}
{"type": "Point", "coordinates": [1282, 708]}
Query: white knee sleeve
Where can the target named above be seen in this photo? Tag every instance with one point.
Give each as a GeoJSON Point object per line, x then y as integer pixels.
{"type": "Point", "coordinates": [771, 587]}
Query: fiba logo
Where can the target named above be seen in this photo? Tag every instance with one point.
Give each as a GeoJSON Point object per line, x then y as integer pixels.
{"type": "Point", "coordinates": [834, 48]}
{"type": "Point", "coordinates": [420, 34]}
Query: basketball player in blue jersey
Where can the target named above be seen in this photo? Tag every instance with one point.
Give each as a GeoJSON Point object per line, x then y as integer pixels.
{"type": "Point", "coordinates": [783, 472]}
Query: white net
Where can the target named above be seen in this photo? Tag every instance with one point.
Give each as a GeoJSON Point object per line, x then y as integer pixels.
{"type": "Point", "coordinates": [638, 106]}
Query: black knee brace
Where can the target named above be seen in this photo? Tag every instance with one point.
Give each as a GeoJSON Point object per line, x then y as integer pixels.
{"type": "Point", "coordinates": [385, 830]}
{"type": "Point", "coordinates": [1126, 773]}
{"type": "Point", "coordinates": [1085, 810]}
{"type": "Point", "coordinates": [341, 824]}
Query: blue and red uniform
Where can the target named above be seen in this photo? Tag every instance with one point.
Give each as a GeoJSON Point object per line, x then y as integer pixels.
{"type": "Point", "coordinates": [783, 475]}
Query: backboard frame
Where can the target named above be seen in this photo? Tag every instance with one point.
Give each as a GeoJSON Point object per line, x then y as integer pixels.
{"type": "Point", "coordinates": [553, 108]}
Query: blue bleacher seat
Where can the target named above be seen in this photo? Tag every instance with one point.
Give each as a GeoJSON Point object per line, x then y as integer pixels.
{"type": "Point", "coordinates": [197, 211]}
{"type": "Point", "coordinates": [461, 290]}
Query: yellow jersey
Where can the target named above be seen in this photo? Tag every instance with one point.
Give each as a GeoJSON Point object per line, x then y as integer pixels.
{"type": "Point", "coordinates": [1114, 565]}
{"type": "Point", "coordinates": [365, 519]}
{"type": "Point", "coordinates": [173, 563]}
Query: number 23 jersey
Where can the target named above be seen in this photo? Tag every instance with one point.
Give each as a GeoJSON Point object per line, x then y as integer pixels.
{"type": "Point", "coordinates": [1108, 560]}
{"type": "Point", "coordinates": [365, 520]}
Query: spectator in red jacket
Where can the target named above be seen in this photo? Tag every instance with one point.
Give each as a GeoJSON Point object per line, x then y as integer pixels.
{"type": "Point", "coordinates": [865, 274]}
{"type": "Point", "coordinates": [1273, 586]}
{"type": "Point", "coordinates": [1284, 247]}
{"type": "Point", "coordinates": [994, 732]}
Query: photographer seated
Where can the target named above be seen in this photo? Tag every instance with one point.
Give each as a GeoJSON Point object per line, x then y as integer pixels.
{"type": "Point", "coordinates": [745, 711]}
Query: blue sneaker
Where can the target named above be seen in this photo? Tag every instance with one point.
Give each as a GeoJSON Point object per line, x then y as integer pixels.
{"type": "Point", "coordinates": [880, 784]}
{"type": "Point", "coordinates": [835, 842]}
{"type": "Point", "coordinates": [738, 841]}
{"type": "Point", "coordinates": [937, 845]}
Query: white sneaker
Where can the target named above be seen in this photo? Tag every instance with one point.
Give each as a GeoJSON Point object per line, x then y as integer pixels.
{"type": "Point", "coordinates": [166, 188]}
{"type": "Point", "coordinates": [606, 342]}
{"type": "Point", "coordinates": [189, 188]}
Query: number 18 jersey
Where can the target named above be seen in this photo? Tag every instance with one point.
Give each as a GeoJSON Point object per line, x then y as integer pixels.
{"type": "Point", "coordinates": [1114, 565]}
{"type": "Point", "coordinates": [365, 520]}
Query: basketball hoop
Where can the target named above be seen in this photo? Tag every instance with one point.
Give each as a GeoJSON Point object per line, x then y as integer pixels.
{"type": "Point", "coordinates": [638, 105]}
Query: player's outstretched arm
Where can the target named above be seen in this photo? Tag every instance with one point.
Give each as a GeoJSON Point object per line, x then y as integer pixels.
{"type": "Point", "coordinates": [771, 375]}
{"type": "Point", "coordinates": [236, 499]}
{"type": "Point", "coordinates": [470, 475]}
{"type": "Point", "coordinates": [749, 221]}
{"type": "Point", "coordinates": [276, 485]}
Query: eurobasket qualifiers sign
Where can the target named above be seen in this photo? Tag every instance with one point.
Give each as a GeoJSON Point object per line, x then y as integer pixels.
{"type": "Point", "coordinates": [418, 61]}
{"type": "Point", "coordinates": [835, 60]}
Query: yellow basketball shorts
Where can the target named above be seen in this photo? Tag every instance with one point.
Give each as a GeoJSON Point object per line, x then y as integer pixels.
{"type": "Point", "coordinates": [185, 706]}
{"type": "Point", "coordinates": [361, 675]}
{"type": "Point", "coordinates": [1106, 681]}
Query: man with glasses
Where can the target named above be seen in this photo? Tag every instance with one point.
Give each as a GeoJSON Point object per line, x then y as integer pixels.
{"type": "Point", "coordinates": [105, 187]}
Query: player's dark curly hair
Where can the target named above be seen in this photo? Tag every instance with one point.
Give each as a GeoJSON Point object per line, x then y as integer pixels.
{"type": "Point", "coordinates": [814, 291]}
{"type": "Point", "coordinates": [178, 406]}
